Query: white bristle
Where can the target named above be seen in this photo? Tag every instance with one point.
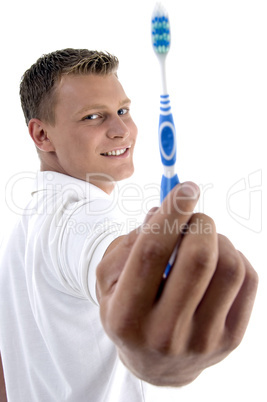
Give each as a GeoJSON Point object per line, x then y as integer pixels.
{"type": "Point", "coordinates": [159, 11]}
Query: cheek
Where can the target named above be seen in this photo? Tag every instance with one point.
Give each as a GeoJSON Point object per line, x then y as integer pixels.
{"type": "Point", "coordinates": [71, 148]}
{"type": "Point", "coordinates": [82, 143]}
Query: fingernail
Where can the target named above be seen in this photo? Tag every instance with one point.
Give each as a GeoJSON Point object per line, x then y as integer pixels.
{"type": "Point", "coordinates": [190, 189]}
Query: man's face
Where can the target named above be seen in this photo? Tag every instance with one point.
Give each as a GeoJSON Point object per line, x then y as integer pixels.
{"type": "Point", "coordinates": [94, 133]}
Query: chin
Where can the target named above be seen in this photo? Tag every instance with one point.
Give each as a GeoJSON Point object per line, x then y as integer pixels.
{"type": "Point", "coordinates": [125, 175]}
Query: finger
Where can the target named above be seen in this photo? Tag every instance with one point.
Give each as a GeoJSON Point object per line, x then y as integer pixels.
{"type": "Point", "coordinates": [239, 314]}
{"type": "Point", "coordinates": [109, 270]}
{"type": "Point", "coordinates": [192, 272]}
{"type": "Point", "coordinates": [153, 247]}
{"type": "Point", "coordinates": [211, 313]}
{"type": "Point", "coordinates": [150, 213]}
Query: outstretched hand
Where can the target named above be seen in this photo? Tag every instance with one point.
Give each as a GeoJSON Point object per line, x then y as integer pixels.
{"type": "Point", "coordinates": [167, 332]}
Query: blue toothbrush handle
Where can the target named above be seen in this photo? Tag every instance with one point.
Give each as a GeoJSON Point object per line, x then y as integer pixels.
{"type": "Point", "coordinates": [167, 184]}
{"type": "Point", "coordinates": [167, 146]}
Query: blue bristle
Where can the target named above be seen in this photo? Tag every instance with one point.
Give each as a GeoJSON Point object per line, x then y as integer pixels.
{"type": "Point", "coordinates": [161, 37]}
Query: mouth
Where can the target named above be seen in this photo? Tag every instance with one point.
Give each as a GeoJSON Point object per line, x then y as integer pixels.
{"type": "Point", "coordinates": [116, 152]}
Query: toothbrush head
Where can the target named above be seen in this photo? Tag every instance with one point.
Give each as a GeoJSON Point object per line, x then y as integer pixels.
{"type": "Point", "coordinates": [160, 30]}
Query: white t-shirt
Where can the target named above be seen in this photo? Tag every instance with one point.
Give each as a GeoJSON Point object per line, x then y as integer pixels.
{"type": "Point", "coordinates": [52, 343]}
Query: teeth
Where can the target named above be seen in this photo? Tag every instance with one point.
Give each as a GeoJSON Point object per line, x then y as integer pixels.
{"type": "Point", "coordinates": [115, 153]}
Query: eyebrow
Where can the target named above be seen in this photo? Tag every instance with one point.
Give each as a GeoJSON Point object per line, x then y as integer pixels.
{"type": "Point", "coordinates": [100, 106]}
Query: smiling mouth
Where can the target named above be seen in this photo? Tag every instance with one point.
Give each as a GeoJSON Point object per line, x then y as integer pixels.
{"type": "Point", "coordinates": [116, 152]}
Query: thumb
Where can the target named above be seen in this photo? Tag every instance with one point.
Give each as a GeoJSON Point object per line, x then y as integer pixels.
{"type": "Point", "coordinates": [181, 200]}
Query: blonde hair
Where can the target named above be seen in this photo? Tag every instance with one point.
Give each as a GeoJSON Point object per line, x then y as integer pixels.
{"type": "Point", "coordinates": [39, 83]}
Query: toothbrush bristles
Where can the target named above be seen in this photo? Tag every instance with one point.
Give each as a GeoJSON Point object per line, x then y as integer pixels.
{"type": "Point", "coordinates": [160, 30]}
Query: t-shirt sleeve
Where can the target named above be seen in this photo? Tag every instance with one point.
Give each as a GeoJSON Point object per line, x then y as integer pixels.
{"type": "Point", "coordinates": [84, 236]}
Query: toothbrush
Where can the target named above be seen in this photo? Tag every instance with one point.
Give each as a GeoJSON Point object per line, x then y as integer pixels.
{"type": "Point", "coordinates": [161, 38]}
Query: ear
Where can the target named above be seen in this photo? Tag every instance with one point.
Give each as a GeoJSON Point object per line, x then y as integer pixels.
{"type": "Point", "coordinates": [38, 132]}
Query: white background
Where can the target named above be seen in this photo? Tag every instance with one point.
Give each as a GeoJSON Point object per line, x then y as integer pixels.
{"type": "Point", "coordinates": [217, 70]}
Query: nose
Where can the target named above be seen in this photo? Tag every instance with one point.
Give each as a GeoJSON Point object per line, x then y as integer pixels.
{"type": "Point", "coordinates": [117, 128]}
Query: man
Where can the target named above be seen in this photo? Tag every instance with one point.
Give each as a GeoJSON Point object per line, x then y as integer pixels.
{"type": "Point", "coordinates": [72, 300]}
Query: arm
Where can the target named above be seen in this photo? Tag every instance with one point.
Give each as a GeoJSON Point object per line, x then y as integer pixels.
{"type": "Point", "coordinates": [166, 334]}
{"type": "Point", "coordinates": [3, 397]}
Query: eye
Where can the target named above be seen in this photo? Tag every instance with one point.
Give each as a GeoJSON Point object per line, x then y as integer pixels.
{"type": "Point", "coordinates": [91, 117]}
{"type": "Point", "coordinates": [123, 111]}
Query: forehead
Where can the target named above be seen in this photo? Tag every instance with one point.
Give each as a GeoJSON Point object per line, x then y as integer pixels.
{"type": "Point", "coordinates": [90, 87]}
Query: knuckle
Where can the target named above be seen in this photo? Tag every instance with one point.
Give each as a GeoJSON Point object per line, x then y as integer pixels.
{"type": "Point", "coordinates": [233, 269]}
{"type": "Point", "coordinates": [202, 256]}
{"type": "Point", "coordinates": [205, 337]}
{"type": "Point", "coordinates": [130, 238]}
{"type": "Point", "coordinates": [233, 340]}
{"type": "Point", "coordinates": [231, 265]}
{"type": "Point", "coordinates": [164, 343]}
{"type": "Point", "coordinates": [202, 224]}
{"type": "Point", "coordinates": [154, 250]}
{"type": "Point", "coordinates": [200, 215]}
{"type": "Point", "coordinates": [150, 213]}
{"type": "Point", "coordinates": [201, 345]}
{"type": "Point", "coordinates": [164, 348]}
{"type": "Point", "coordinates": [203, 242]}
{"type": "Point", "coordinates": [120, 326]}
{"type": "Point", "coordinates": [252, 277]}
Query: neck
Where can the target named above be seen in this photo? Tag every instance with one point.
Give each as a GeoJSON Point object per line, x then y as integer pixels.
{"type": "Point", "coordinates": [105, 185]}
